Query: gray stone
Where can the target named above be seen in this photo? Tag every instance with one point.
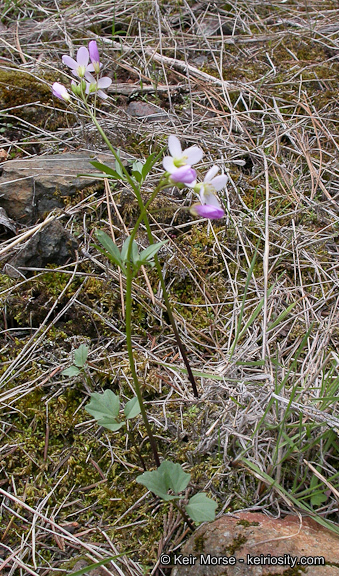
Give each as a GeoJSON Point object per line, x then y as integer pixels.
{"type": "Point", "coordinates": [32, 187]}
{"type": "Point", "coordinates": [140, 109]}
{"type": "Point", "coordinates": [246, 536]}
{"type": "Point", "coordinates": [53, 245]}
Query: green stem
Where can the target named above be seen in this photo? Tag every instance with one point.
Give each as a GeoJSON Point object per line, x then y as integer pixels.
{"type": "Point", "coordinates": [157, 264]}
{"type": "Point", "coordinates": [128, 309]}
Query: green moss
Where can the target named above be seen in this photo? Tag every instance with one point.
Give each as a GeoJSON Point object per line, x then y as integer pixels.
{"type": "Point", "coordinates": [246, 523]}
{"type": "Point", "coordinates": [199, 544]}
{"type": "Point", "coordinates": [29, 98]}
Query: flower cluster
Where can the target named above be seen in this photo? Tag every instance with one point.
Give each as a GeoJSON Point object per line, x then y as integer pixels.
{"type": "Point", "coordinates": [86, 64]}
{"type": "Point", "coordinates": [179, 170]}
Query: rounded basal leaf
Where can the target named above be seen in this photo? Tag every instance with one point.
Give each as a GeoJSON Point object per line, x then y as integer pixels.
{"type": "Point", "coordinates": [104, 407]}
{"type": "Point", "coordinates": [80, 355]}
{"type": "Point", "coordinates": [168, 476]}
{"type": "Point", "coordinates": [71, 371]}
{"type": "Point", "coordinates": [110, 424]}
{"type": "Point", "coordinates": [132, 408]}
{"type": "Point", "coordinates": [201, 509]}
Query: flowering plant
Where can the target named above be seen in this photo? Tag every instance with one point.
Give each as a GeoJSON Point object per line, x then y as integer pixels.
{"type": "Point", "coordinates": [178, 172]}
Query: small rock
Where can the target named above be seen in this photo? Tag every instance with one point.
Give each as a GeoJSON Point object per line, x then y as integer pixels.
{"type": "Point", "coordinates": [213, 26]}
{"type": "Point", "coordinates": [140, 109]}
{"type": "Point", "coordinates": [277, 542]}
{"type": "Point", "coordinates": [31, 187]}
{"type": "Point", "coordinates": [53, 245]}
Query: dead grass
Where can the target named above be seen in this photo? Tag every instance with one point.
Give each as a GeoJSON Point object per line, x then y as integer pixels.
{"type": "Point", "coordinates": [255, 298]}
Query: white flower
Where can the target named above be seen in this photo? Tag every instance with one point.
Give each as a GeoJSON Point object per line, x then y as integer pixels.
{"type": "Point", "coordinates": [210, 185]}
{"type": "Point", "coordinates": [179, 157]}
{"type": "Point", "coordinates": [97, 86]}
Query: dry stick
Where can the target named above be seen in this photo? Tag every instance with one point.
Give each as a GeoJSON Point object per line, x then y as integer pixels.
{"type": "Point", "coordinates": [66, 534]}
{"type": "Point", "coordinates": [27, 234]}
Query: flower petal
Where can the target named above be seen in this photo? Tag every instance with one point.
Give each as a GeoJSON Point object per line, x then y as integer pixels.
{"type": "Point", "coordinates": [60, 91]}
{"type": "Point", "coordinates": [184, 175]}
{"type": "Point", "coordinates": [104, 82]}
{"type": "Point", "coordinates": [90, 78]}
{"type": "Point", "coordinates": [211, 173]}
{"type": "Point", "coordinates": [219, 182]}
{"type": "Point", "coordinates": [174, 146]}
{"type": "Point", "coordinates": [168, 164]}
{"type": "Point", "coordinates": [192, 155]}
{"type": "Point", "coordinates": [82, 56]}
{"type": "Point", "coordinates": [102, 94]}
{"type": "Point", "coordinates": [93, 51]}
{"type": "Point", "coordinates": [70, 62]}
{"type": "Point", "coordinates": [207, 211]}
{"type": "Point", "coordinates": [209, 198]}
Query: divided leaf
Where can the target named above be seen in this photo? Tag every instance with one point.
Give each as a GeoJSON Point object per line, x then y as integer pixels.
{"type": "Point", "coordinates": [71, 371]}
{"type": "Point", "coordinates": [132, 408]}
{"type": "Point", "coordinates": [80, 355]}
{"type": "Point", "coordinates": [105, 409]}
{"type": "Point", "coordinates": [201, 508]}
{"type": "Point", "coordinates": [168, 476]}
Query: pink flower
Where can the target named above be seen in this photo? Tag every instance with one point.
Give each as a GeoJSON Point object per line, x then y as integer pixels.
{"type": "Point", "coordinates": [97, 86]}
{"type": "Point", "coordinates": [60, 91]}
{"type": "Point", "coordinates": [94, 56]}
{"type": "Point", "coordinates": [184, 175]}
{"type": "Point", "coordinates": [79, 66]}
{"type": "Point", "coordinates": [179, 157]}
{"type": "Point", "coordinates": [210, 206]}
{"type": "Point", "coordinates": [211, 211]}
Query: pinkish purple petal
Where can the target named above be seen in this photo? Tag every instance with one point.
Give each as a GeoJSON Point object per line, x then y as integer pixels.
{"type": "Point", "coordinates": [184, 175]}
{"type": "Point", "coordinates": [102, 94]}
{"type": "Point", "coordinates": [104, 82]}
{"type": "Point", "coordinates": [82, 56]}
{"type": "Point", "coordinates": [207, 211]}
{"type": "Point", "coordinates": [174, 146]}
{"type": "Point", "coordinates": [93, 51]}
{"type": "Point", "coordinates": [70, 62]}
{"type": "Point", "coordinates": [60, 91]}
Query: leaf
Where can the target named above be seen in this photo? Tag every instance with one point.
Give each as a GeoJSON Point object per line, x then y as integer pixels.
{"type": "Point", "coordinates": [105, 409]}
{"type": "Point", "coordinates": [95, 565]}
{"type": "Point", "coordinates": [149, 253]}
{"type": "Point", "coordinates": [134, 251]}
{"type": "Point", "coordinates": [80, 355]}
{"type": "Point", "coordinates": [201, 508]}
{"type": "Point", "coordinates": [168, 476]}
{"type": "Point", "coordinates": [151, 160]}
{"type": "Point", "coordinates": [318, 499]}
{"type": "Point", "coordinates": [71, 371]}
{"type": "Point", "coordinates": [132, 408]}
{"type": "Point", "coordinates": [109, 245]}
{"type": "Point", "coordinates": [115, 174]}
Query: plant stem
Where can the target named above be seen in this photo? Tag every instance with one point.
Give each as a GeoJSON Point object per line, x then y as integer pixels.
{"type": "Point", "coordinates": [128, 314]}
{"type": "Point", "coordinates": [184, 515]}
{"type": "Point", "coordinates": [158, 267]}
